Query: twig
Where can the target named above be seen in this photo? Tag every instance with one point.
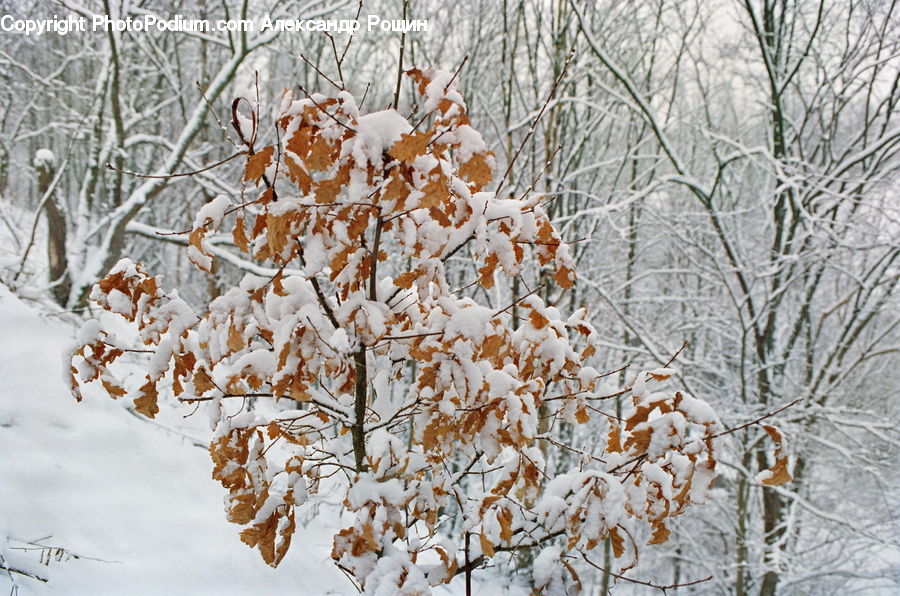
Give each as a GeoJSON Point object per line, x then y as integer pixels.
{"type": "Point", "coordinates": [349, 41]}
{"type": "Point", "coordinates": [214, 115]}
{"type": "Point", "coordinates": [373, 270]}
{"type": "Point", "coordinates": [109, 166]}
{"type": "Point", "coordinates": [321, 74]}
{"type": "Point", "coordinates": [536, 120]}
{"type": "Point", "coordinates": [570, 448]}
{"type": "Point", "coordinates": [642, 582]}
{"type": "Point", "coordinates": [336, 60]}
{"type": "Point", "coordinates": [323, 302]}
{"type": "Point", "coordinates": [541, 173]}
{"type": "Point", "coordinates": [520, 299]}
{"type": "Point", "coordinates": [129, 349]}
{"type": "Point", "coordinates": [228, 211]}
{"type": "Point", "coordinates": [142, 418]}
{"type": "Point", "coordinates": [675, 355]}
{"type": "Point", "coordinates": [411, 336]}
{"type": "Point", "coordinates": [365, 94]}
{"type": "Point", "coordinates": [400, 61]}
{"type": "Point", "coordinates": [456, 73]}
{"type": "Point", "coordinates": [9, 569]}
{"type": "Point", "coordinates": [538, 243]}
{"type": "Point", "coordinates": [758, 420]}
{"type": "Point", "coordinates": [629, 462]}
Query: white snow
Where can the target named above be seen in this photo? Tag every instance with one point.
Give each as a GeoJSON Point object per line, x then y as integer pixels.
{"type": "Point", "coordinates": [380, 130]}
{"type": "Point", "coordinates": [132, 498]}
{"type": "Point", "coordinates": [44, 158]}
{"type": "Point", "coordinates": [546, 565]}
{"type": "Point", "coordinates": [214, 211]}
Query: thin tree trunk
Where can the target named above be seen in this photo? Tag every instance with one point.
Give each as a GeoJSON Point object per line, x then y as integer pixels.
{"type": "Point", "coordinates": [743, 492]}
{"type": "Point", "coordinates": [58, 265]}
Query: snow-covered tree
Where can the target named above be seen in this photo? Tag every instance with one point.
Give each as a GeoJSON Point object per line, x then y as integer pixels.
{"type": "Point", "coordinates": [347, 360]}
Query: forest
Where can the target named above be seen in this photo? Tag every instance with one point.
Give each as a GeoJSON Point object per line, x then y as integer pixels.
{"type": "Point", "coordinates": [475, 297]}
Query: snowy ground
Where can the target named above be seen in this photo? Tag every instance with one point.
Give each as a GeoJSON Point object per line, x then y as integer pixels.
{"type": "Point", "coordinates": [131, 502]}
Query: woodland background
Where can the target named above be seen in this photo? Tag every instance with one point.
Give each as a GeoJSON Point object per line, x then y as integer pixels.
{"type": "Point", "coordinates": [727, 172]}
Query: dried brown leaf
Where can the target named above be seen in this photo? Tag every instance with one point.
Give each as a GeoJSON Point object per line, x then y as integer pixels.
{"type": "Point", "coordinates": [477, 170]}
{"type": "Point", "coordinates": [146, 403]}
{"type": "Point", "coordinates": [410, 146]}
{"type": "Point", "coordinates": [258, 162]}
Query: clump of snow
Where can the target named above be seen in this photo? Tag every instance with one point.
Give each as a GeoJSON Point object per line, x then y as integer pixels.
{"type": "Point", "coordinates": [380, 130]}
{"type": "Point", "coordinates": [546, 566]}
{"type": "Point", "coordinates": [440, 88]}
{"type": "Point", "coordinates": [471, 321]}
{"type": "Point", "coordinates": [44, 159]}
{"type": "Point", "coordinates": [697, 410]}
{"type": "Point", "coordinates": [339, 341]}
{"type": "Point", "coordinates": [213, 211]}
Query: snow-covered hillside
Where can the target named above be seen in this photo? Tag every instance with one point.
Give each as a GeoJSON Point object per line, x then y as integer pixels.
{"type": "Point", "coordinates": [97, 501]}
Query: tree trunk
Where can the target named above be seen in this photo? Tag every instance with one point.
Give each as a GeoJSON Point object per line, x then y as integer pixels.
{"type": "Point", "coordinates": [743, 492]}
{"type": "Point", "coordinates": [773, 514]}
{"type": "Point", "coordinates": [58, 265]}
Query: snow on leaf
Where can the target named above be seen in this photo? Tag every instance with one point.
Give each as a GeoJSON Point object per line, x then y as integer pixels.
{"type": "Point", "coordinates": [196, 253]}
{"type": "Point", "coordinates": [778, 474]}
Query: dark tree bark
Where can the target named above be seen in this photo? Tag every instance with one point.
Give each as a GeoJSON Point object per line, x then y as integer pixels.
{"type": "Point", "coordinates": [58, 273]}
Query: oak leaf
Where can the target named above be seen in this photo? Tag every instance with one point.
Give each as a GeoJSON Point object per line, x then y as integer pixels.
{"type": "Point", "coordinates": [298, 144]}
{"type": "Point", "coordinates": [660, 533]}
{"type": "Point", "coordinates": [298, 175]}
{"type": "Point", "coordinates": [778, 474]}
{"type": "Point", "coordinates": [410, 146]}
{"type": "Point", "coordinates": [487, 547]}
{"type": "Point", "coordinates": [617, 542]}
{"type": "Point", "coordinates": [258, 162]}
{"type": "Point", "coordinates": [320, 157]}
{"type": "Point", "coordinates": [406, 280]}
{"type": "Point", "coordinates": [476, 170]}
{"type": "Point", "coordinates": [202, 381]}
{"type": "Point", "coordinates": [146, 403]}
{"type": "Point", "coordinates": [538, 320]}
{"type": "Point", "coordinates": [235, 340]}
{"type": "Point", "coordinates": [114, 391]}
{"type": "Point", "coordinates": [239, 235]}
{"type": "Point", "coordinates": [564, 277]}
{"type": "Point", "coordinates": [434, 193]}
{"type": "Point", "coordinates": [486, 273]}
